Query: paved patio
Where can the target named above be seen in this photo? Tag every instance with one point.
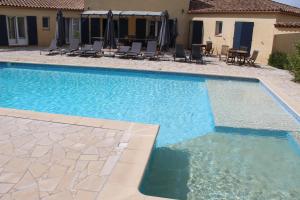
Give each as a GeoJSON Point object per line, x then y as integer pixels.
{"type": "Point", "coordinates": [46, 160]}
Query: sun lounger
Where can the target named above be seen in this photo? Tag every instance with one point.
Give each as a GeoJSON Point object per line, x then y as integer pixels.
{"type": "Point", "coordinates": [96, 49]}
{"type": "Point", "coordinates": [74, 46]}
{"type": "Point", "coordinates": [122, 50]}
{"type": "Point", "coordinates": [82, 50]}
{"type": "Point", "coordinates": [52, 49]}
{"type": "Point", "coordinates": [151, 50]}
{"type": "Point", "coordinates": [180, 53]}
{"type": "Point", "coordinates": [135, 50]}
{"type": "Point", "coordinates": [251, 60]}
{"type": "Point", "coordinates": [196, 54]}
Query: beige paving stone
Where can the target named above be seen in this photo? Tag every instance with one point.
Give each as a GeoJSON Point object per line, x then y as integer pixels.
{"type": "Point", "coordinates": [109, 165]}
{"type": "Point", "coordinates": [9, 177]}
{"type": "Point", "coordinates": [127, 174]}
{"type": "Point", "coordinates": [64, 195]}
{"type": "Point", "coordinates": [38, 169]}
{"type": "Point", "coordinates": [73, 155]}
{"type": "Point", "coordinates": [48, 184]}
{"type": "Point", "coordinates": [81, 165]}
{"type": "Point", "coordinates": [58, 153]}
{"type": "Point", "coordinates": [39, 151]}
{"type": "Point", "coordinates": [85, 195]}
{"type": "Point", "coordinates": [5, 187]}
{"type": "Point", "coordinates": [118, 125]}
{"type": "Point", "coordinates": [135, 156]}
{"type": "Point", "coordinates": [92, 150]}
{"type": "Point", "coordinates": [88, 157]}
{"type": "Point", "coordinates": [6, 197]}
{"type": "Point", "coordinates": [17, 165]}
{"type": "Point", "coordinates": [45, 141]}
{"type": "Point", "coordinates": [68, 181]}
{"type": "Point", "coordinates": [27, 181]}
{"type": "Point", "coordinates": [92, 183]}
{"type": "Point", "coordinates": [26, 194]}
{"type": "Point", "coordinates": [94, 167]}
{"type": "Point", "coordinates": [56, 137]}
{"type": "Point", "coordinates": [7, 148]}
{"type": "Point", "coordinates": [4, 159]}
{"type": "Point", "coordinates": [56, 171]}
{"type": "Point", "coordinates": [123, 192]}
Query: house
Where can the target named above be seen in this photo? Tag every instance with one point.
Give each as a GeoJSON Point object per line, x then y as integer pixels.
{"type": "Point", "coordinates": [262, 25]}
{"type": "Point", "coordinates": [33, 22]}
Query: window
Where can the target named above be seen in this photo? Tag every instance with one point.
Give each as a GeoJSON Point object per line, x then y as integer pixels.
{"type": "Point", "coordinates": [21, 27]}
{"type": "Point", "coordinates": [76, 28]}
{"type": "Point", "coordinates": [11, 28]}
{"type": "Point", "coordinates": [219, 26]}
{"type": "Point", "coordinates": [46, 23]}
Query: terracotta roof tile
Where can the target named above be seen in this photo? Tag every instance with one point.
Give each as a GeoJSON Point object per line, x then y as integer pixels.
{"type": "Point", "coordinates": [238, 6]}
{"type": "Point", "coordinates": [287, 25]}
{"type": "Point", "coordinates": [50, 4]}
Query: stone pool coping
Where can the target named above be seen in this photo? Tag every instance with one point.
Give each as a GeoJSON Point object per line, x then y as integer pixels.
{"type": "Point", "coordinates": [125, 179]}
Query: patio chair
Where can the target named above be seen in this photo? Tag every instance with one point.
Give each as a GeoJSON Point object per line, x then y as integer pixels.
{"type": "Point", "coordinates": [151, 51]}
{"type": "Point", "coordinates": [96, 49]}
{"type": "Point", "coordinates": [196, 54]}
{"type": "Point", "coordinates": [122, 50]}
{"type": "Point", "coordinates": [180, 53]}
{"type": "Point", "coordinates": [135, 50]}
{"type": "Point", "coordinates": [52, 49]}
{"type": "Point", "coordinates": [251, 60]}
{"type": "Point", "coordinates": [231, 57]}
{"type": "Point", "coordinates": [82, 50]}
{"type": "Point", "coordinates": [224, 52]}
{"type": "Point", "coordinates": [209, 49]}
{"type": "Point", "coordinates": [74, 46]}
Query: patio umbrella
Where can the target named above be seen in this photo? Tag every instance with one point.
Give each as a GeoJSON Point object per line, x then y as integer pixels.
{"type": "Point", "coordinates": [174, 33]}
{"type": "Point", "coordinates": [164, 35]}
{"type": "Point", "coordinates": [60, 36]}
{"type": "Point", "coordinates": [109, 37]}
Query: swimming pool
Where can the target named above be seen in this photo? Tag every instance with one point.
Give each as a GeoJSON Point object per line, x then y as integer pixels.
{"type": "Point", "coordinates": [209, 126]}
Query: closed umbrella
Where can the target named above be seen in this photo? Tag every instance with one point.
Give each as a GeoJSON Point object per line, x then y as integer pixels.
{"type": "Point", "coordinates": [174, 33]}
{"type": "Point", "coordinates": [109, 37]}
{"type": "Point", "coordinates": [164, 35]}
{"type": "Point", "coordinates": [60, 36]}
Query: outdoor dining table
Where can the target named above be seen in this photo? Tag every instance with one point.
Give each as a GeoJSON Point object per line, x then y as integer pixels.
{"type": "Point", "coordinates": [202, 46]}
{"type": "Point", "coordinates": [241, 55]}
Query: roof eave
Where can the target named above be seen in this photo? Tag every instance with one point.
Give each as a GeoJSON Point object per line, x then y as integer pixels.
{"type": "Point", "coordinates": [45, 8]}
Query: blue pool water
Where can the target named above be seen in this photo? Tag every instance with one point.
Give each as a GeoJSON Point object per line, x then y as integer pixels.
{"type": "Point", "coordinates": [178, 103]}
{"type": "Point", "coordinates": [193, 158]}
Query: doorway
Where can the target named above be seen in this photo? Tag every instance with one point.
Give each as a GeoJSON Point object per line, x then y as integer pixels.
{"type": "Point", "coordinates": [243, 33]}
{"type": "Point", "coordinates": [197, 32]}
{"type": "Point", "coordinates": [140, 31]}
{"type": "Point", "coordinates": [17, 31]}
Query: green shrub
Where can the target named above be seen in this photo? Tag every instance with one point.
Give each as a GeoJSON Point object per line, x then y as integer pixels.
{"type": "Point", "coordinates": [294, 63]}
{"type": "Point", "coordinates": [278, 60]}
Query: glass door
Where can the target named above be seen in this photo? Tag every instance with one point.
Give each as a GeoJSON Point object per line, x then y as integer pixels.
{"type": "Point", "coordinates": [17, 31]}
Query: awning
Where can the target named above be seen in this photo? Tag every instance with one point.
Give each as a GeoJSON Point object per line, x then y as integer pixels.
{"type": "Point", "coordinates": [121, 13]}
{"type": "Point", "coordinates": [98, 13]}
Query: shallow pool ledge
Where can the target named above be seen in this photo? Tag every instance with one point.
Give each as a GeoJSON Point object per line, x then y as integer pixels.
{"type": "Point", "coordinates": [137, 142]}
